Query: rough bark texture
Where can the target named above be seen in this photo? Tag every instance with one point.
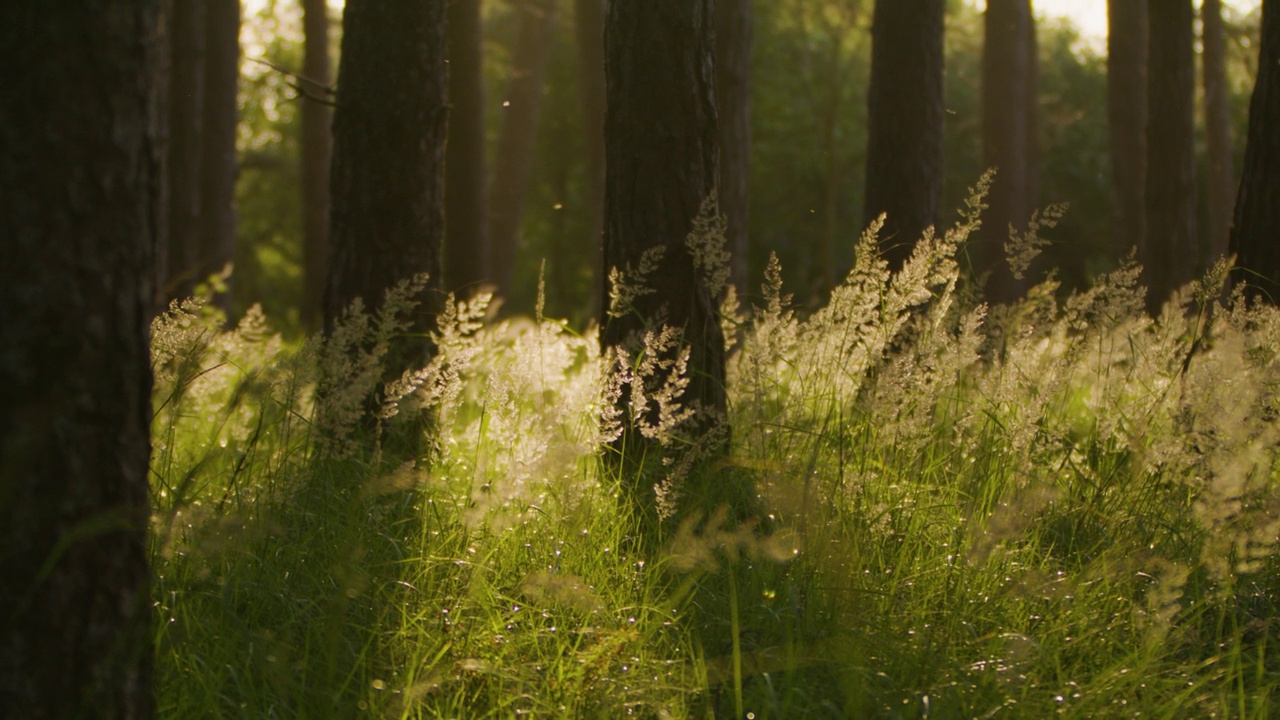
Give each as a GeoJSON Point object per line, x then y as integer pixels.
{"type": "Point", "coordinates": [466, 249]}
{"type": "Point", "coordinates": [904, 122]}
{"type": "Point", "coordinates": [735, 23]}
{"type": "Point", "coordinates": [1255, 234]}
{"type": "Point", "coordinates": [1127, 117]}
{"type": "Point", "coordinates": [80, 215]}
{"type": "Point", "coordinates": [1170, 256]}
{"type": "Point", "coordinates": [387, 189]}
{"type": "Point", "coordinates": [660, 142]}
{"type": "Point", "coordinates": [515, 141]}
{"type": "Point", "coordinates": [186, 125]}
{"type": "Point", "coordinates": [1217, 129]}
{"type": "Point", "coordinates": [218, 165]}
{"type": "Point", "coordinates": [589, 28]}
{"type": "Point", "coordinates": [317, 153]}
{"type": "Point", "coordinates": [1008, 89]}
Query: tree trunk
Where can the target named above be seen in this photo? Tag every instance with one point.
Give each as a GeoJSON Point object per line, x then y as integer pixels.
{"type": "Point", "coordinates": [589, 27]}
{"type": "Point", "coordinates": [466, 250]}
{"type": "Point", "coordinates": [387, 189]}
{"type": "Point", "coordinates": [317, 152]}
{"type": "Point", "coordinates": [1171, 187]}
{"type": "Point", "coordinates": [80, 211]}
{"type": "Point", "coordinates": [735, 21]}
{"type": "Point", "coordinates": [1217, 127]}
{"type": "Point", "coordinates": [1257, 218]}
{"type": "Point", "coordinates": [515, 142]}
{"type": "Point", "coordinates": [1127, 118]}
{"type": "Point", "coordinates": [904, 122]}
{"type": "Point", "coordinates": [186, 124]}
{"type": "Point", "coordinates": [218, 165]}
{"type": "Point", "coordinates": [660, 144]}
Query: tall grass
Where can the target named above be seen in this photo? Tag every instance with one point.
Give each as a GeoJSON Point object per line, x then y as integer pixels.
{"type": "Point", "coordinates": [1060, 507]}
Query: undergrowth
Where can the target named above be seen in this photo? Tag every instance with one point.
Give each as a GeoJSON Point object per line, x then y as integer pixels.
{"type": "Point", "coordinates": [1060, 507]}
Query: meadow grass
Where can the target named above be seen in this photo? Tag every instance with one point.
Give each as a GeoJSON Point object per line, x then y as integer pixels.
{"type": "Point", "coordinates": [1058, 508]}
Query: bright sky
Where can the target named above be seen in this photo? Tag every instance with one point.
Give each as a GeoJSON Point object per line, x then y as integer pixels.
{"type": "Point", "coordinates": [1090, 16]}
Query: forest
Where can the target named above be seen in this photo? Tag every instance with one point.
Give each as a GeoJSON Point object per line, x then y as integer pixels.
{"type": "Point", "coordinates": [653, 358]}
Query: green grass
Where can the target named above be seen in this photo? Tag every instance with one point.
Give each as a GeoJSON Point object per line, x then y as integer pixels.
{"type": "Point", "coordinates": [1062, 508]}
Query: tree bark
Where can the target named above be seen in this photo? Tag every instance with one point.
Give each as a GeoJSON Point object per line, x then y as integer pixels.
{"type": "Point", "coordinates": [387, 188]}
{"type": "Point", "coordinates": [1127, 118]}
{"type": "Point", "coordinates": [515, 141]}
{"type": "Point", "coordinates": [1171, 187]}
{"type": "Point", "coordinates": [1217, 128]}
{"type": "Point", "coordinates": [1008, 92]}
{"type": "Point", "coordinates": [80, 211]}
{"type": "Point", "coordinates": [660, 144]}
{"type": "Point", "coordinates": [186, 131]}
{"type": "Point", "coordinates": [735, 21]}
{"type": "Point", "coordinates": [466, 250]}
{"type": "Point", "coordinates": [904, 122]}
{"type": "Point", "coordinates": [218, 164]}
{"type": "Point", "coordinates": [589, 28]}
{"type": "Point", "coordinates": [317, 153]}
{"type": "Point", "coordinates": [1257, 216]}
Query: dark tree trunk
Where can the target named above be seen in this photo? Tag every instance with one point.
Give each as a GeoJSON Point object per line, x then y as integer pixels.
{"type": "Point", "coordinates": [218, 164]}
{"type": "Point", "coordinates": [1171, 187]}
{"type": "Point", "coordinates": [1008, 91]}
{"type": "Point", "coordinates": [317, 152]}
{"type": "Point", "coordinates": [735, 21]}
{"type": "Point", "coordinates": [466, 249]}
{"type": "Point", "coordinates": [1217, 127]}
{"type": "Point", "coordinates": [589, 28]}
{"type": "Point", "coordinates": [1255, 234]}
{"type": "Point", "coordinates": [515, 141]}
{"type": "Point", "coordinates": [80, 215]}
{"type": "Point", "coordinates": [186, 94]}
{"type": "Point", "coordinates": [1127, 117]}
{"type": "Point", "coordinates": [660, 142]}
{"type": "Point", "coordinates": [904, 122]}
{"type": "Point", "coordinates": [387, 190]}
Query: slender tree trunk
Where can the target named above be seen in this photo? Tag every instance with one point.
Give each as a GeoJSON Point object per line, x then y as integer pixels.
{"type": "Point", "coordinates": [1257, 218]}
{"type": "Point", "coordinates": [80, 212]}
{"type": "Point", "coordinates": [1171, 186]}
{"type": "Point", "coordinates": [466, 250]}
{"type": "Point", "coordinates": [186, 124]}
{"type": "Point", "coordinates": [904, 122]}
{"type": "Point", "coordinates": [317, 153]}
{"type": "Point", "coordinates": [735, 21]}
{"type": "Point", "coordinates": [1217, 126]}
{"type": "Point", "coordinates": [218, 164]}
{"type": "Point", "coordinates": [1127, 118]}
{"type": "Point", "coordinates": [387, 189]}
{"type": "Point", "coordinates": [660, 140]}
{"type": "Point", "coordinates": [1008, 90]}
{"type": "Point", "coordinates": [515, 141]}
{"type": "Point", "coordinates": [589, 28]}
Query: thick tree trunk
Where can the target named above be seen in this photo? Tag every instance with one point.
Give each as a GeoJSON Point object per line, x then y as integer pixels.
{"type": "Point", "coordinates": [904, 122]}
{"type": "Point", "coordinates": [735, 21]}
{"type": "Point", "coordinates": [466, 249]}
{"type": "Point", "coordinates": [387, 188]}
{"type": "Point", "coordinates": [80, 183]}
{"type": "Point", "coordinates": [317, 153]}
{"type": "Point", "coordinates": [660, 141]}
{"type": "Point", "coordinates": [589, 28]}
{"type": "Point", "coordinates": [515, 141]}
{"type": "Point", "coordinates": [1171, 186]}
{"type": "Point", "coordinates": [218, 165]}
{"type": "Point", "coordinates": [1256, 230]}
{"type": "Point", "coordinates": [186, 94]}
{"type": "Point", "coordinates": [1217, 128]}
{"type": "Point", "coordinates": [1008, 90]}
{"type": "Point", "coordinates": [1127, 118]}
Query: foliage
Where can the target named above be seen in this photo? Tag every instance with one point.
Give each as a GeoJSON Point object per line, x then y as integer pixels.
{"type": "Point", "coordinates": [1058, 507]}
